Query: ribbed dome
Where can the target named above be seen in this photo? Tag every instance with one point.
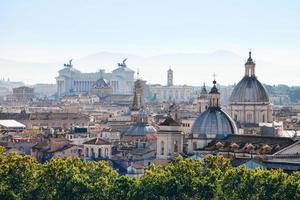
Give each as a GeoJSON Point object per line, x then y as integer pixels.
{"type": "Point", "coordinates": [249, 89]}
{"type": "Point", "coordinates": [140, 129]}
{"type": "Point", "coordinates": [213, 123]}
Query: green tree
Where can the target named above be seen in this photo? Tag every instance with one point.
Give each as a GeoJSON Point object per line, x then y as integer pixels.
{"type": "Point", "coordinates": [75, 179]}
{"type": "Point", "coordinates": [18, 176]}
{"type": "Point", "coordinates": [125, 188]}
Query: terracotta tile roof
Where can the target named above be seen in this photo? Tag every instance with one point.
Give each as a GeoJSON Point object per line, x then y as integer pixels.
{"type": "Point", "coordinates": [257, 143]}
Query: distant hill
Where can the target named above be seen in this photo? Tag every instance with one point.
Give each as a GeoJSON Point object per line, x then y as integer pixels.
{"type": "Point", "coordinates": [189, 68]}
{"type": "Point", "coordinates": [292, 92]}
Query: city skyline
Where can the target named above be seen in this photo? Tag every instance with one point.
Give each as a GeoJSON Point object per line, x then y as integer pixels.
{"type": "Point", "coordinates": [172, 99]}
{"type": "Point", "coordinates": [51, 32]}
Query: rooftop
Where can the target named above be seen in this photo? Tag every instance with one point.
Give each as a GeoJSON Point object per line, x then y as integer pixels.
{"type": "Point", "coordinates": [97, 141]}
{"type": "Point", "coordinates": [9, 123]}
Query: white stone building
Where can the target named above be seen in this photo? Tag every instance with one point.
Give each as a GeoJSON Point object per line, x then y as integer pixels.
{"type": "Point", "coordinates": [171, 92]}
{"type": "Point", "coordinates": [169, 139]}
{"type": "Point", "coordinates": [72, 81]}
{"type": "Point", "coordinates": [97, 149]}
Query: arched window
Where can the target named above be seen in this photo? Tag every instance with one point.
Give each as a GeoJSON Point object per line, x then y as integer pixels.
{"type": "Point", "coordinates": [175, 146]}
{"type": "Point", "coordinates": [249, 117]}
{"type": "Point", "coordinates": [99, 153]}
{"type": "Point", "coordinates": [87, 152]}
{"type": "Point", "coordinates": [194, 145]}
{"type": "Point", "coordinates": [106, 152]}
{"type": "Point", "coordinates": [93, 153]}
{"type": "Point", "coordinates": [162, 150]}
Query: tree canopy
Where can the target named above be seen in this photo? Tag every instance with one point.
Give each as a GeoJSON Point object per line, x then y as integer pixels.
{"type": "Point", "coordinates": [22, 177]}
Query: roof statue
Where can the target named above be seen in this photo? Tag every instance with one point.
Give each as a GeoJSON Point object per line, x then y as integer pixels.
{"type": "Point", "coordinates": [123, 64]}
{"type": "Point", "coordinates": [69, 64]}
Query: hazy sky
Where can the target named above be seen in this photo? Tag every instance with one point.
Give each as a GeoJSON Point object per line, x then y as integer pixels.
{"type": "Point", "coordinates": [53, 30]}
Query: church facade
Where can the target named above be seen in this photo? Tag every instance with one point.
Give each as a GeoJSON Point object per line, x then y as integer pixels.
{"type": "Point", "coordinates": [71, 81]}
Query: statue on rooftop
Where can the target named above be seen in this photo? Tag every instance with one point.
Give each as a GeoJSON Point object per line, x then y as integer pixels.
{"type": "Point", "coordinates": [69, 64]}
{"type": "Point", "coordinates": [123, 64]}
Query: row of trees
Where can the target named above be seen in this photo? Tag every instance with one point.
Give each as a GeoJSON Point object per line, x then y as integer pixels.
{"type": "Point", "coordinates": [22, 177]}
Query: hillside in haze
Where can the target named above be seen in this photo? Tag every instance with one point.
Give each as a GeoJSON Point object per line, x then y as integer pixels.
{"type": "Point", "coordinates": [189, 68]}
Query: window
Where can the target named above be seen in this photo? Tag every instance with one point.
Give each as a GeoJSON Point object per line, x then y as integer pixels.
{"type": "Point", "coordinates": [99, 152]}
{"type": "Point", "coordinates": [162, 150]}
{"type": "Point", "coordinates": [249, 117]}
{"type": "Point", "coordinates": [194, 145]}
{"type": "Point", "coordinates": [263, 118]}
{"type": "Point", "coordinates": [87, 152]}
{"type": "Point", "coordinates": [106, 152]}
{"type": "Point", "coordinates": [175, 146]}
{"type": "Point", "coordinates": [93, 153]}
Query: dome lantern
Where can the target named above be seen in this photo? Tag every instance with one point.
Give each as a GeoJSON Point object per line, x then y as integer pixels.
{"type": "Point", "coordinates": [250, 66]}
{"type": "Point", "coordinates": [214, 96]}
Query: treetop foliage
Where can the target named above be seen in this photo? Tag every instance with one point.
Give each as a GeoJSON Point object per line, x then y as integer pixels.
{"type": "Point", "coordinates": [22, 177]}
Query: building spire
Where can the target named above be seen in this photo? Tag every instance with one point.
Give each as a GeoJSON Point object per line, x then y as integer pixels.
{"type": "Point", "coordinates": [203, 93]}
{"type": "Point", "coordinates": [214, 82]}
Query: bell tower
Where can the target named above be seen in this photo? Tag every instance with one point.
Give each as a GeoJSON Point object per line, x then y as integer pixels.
{"type": "Point", "coordinates": [170, 77]}
{"type": "Point", "coordinates": [138, 99]}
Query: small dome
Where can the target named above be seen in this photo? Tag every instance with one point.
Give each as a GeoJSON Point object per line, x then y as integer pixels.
{"type": "Point", "coordinates": [249, 89]}
{"type": "Point", "coordinates": [101, 83]}
{"type": "Point", "coordinates": [213, 123]}
{"type": "Point", "coordinates": [140, 129]}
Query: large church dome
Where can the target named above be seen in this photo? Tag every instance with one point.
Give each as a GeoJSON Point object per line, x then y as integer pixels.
{"type": "Point", "coordinates": [214, 122]}
{"type": "Point", "coordinates": [249, 89]}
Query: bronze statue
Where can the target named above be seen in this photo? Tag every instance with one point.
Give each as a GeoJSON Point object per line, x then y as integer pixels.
{"type": "Point", "coordinates": [69, 64]}
{"type": "Point", "coordinates": [123, 64]}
